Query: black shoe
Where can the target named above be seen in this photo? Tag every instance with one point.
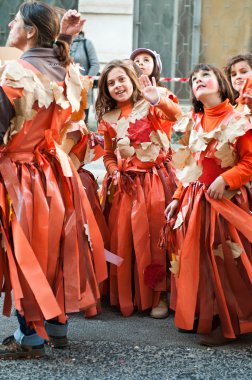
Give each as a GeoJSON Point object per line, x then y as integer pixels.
{"type": "Point", "coordinates": [57, 341]}
{"type": "Point", "coordinates": [215, 339]}
{"type": "Point", "coordinates": [11, 349]}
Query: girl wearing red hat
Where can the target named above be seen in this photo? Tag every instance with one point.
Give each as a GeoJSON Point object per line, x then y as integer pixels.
{"type": "Point", "coordinates": [149, 62]}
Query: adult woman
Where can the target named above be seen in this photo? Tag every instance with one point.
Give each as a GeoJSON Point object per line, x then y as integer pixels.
{"type": "Point", "coordinates": [48, 229]}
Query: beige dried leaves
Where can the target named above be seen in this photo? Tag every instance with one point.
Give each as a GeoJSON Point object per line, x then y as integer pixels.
{"type": "Point", "coordinates": [35, 87]}
{"type": "Point", "coordinates": [191, 145]}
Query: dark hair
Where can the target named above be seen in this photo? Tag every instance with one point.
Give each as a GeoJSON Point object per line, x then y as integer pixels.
{"type": "Point", "coordinates": [155, 73]}
{"type": "Point", "coordinates": [104, 102]}
{"type": "Point", "coordinates": [225, 90]}
{"type": "Point", "coordinates": [228, 68]}
{"type": "Point", "coordinates": [46, 22]}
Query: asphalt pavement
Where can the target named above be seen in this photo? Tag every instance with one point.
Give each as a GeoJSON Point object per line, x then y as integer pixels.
{"type": "Point", "coordinates": [110, 346]}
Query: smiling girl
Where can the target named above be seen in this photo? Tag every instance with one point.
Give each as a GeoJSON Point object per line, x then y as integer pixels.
{"type": "Point", "coordinates": [210, 214]}
{"type": "Point", "coordinates": [238, 70]}
{"type": "Point", "coordinates": [139, 183]}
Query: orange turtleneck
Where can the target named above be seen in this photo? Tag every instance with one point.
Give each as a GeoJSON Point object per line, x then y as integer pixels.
{"type": "Point", "coordinates": [241, 173]}
{"type": "Point", "coordinates": [212, 117]}
{"type": "Point", "coordinates": [126, 108]}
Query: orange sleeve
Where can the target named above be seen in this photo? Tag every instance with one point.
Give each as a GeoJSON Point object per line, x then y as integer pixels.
{"type": "Point", "coordinates": [167, 108]}
{"type": "Point", "coordinates": [80, 148]}
{"type": "Point", "coordinates": [241, 173]}
{"type": "Point", "coordinates": [178, 191]}
{"type": "Point", "coordinates": [109, 158]}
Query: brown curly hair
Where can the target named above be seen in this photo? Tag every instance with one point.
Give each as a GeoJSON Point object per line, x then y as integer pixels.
{"type": "Point", "coordinates": [228, 68]}
{"type": "Point", "coordinates": [104, 102]}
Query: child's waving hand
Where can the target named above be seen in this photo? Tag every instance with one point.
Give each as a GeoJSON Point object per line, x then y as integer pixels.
{"type": "Point", "coordinates": [149, 90]}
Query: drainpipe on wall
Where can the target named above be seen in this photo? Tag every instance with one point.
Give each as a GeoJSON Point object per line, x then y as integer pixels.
{"type": "Point", "coordinates": [174, 43]}
{"type": "Point", "coordinates": [136, 24]}
{"type": "Point", "coordinates": [197, 5]}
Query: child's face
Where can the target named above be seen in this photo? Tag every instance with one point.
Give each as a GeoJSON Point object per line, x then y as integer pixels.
{"type": "Point", "coordinates": [240, 71]}
{"type": "Point", "coordinates": [119, 85]}
{"type": "Point", "coordinates": [205, 85]}
{"type": "Point", "coordinates": [145, 63]}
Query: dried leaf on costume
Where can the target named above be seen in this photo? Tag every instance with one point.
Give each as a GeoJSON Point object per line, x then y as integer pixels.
{"type": "Point", "coordinates": [174, 264]}
{"type": "Point", "coordinates": [124, 147]}
{"type": "Point", "coordinates": [235, 248]}
{"type": "Point", "coordinates": [225, 153]}
{"type": "Point", "coordinates": [147, 152]}
{"type": "Point", "coordinates": [122, 128]}
{"type": "Point", "coordinates": [234, 129]}
{"type": "Point", "coordinates": [160, 138]}
{"type": "Point", "coordinates": [74, 88]}
{"type": "Point", "coordinates": [187, 169]}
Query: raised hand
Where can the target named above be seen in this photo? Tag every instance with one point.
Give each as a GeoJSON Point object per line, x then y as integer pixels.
{"type": "Point", "coordinates": [71, 23]}
{"type": "Point", "coordinates": [149, 89]}
{"type": "Point", "coordinates": [246, 94]}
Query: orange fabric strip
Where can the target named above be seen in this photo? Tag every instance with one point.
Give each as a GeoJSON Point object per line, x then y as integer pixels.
{"type": "Point", "coordinates": [36, 278]}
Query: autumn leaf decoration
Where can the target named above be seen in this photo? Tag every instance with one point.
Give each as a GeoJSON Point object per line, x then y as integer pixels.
{"type": "Point", "coordinates": [77, 90]}
{"type": "Point", "coordinates": [139, 131]}
{"type": "Point", "coordinates": [190, 145]}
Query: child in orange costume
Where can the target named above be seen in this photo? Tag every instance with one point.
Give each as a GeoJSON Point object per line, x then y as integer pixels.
{"type": "Point", "coordinates": [149, 63]}
{"type": "Point", "coordinates": [137, 154]}
{"type": "Point", "coordinates": [212, 224]}
{"type": "Point", "coordinates": [238, 69]}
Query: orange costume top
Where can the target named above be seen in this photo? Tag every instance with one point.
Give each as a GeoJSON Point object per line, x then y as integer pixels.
{"type": "Point", "coordinates": [238, 174]}
{"type": "Point", "coordinates": [52, 250]}
{"type": "Point", "coordinates": [137, 145]}
{"type": "Point", "coordinates": [162, 118]}
{"type": "Point", "coordinates": [212, 238]}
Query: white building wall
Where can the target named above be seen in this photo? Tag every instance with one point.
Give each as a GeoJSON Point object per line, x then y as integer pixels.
{"type": "Point", "coordinates": [109, 26]}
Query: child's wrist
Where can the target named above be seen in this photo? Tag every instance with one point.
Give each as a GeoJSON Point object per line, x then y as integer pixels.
{"type": "Point", "coordinates": [157, 102]}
